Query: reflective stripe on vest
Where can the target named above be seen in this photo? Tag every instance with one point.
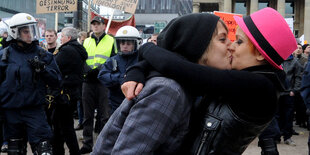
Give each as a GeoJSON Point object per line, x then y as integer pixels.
{"type": "Point", "coordinates": [97, 55]}
{"type": "Point", "coordinates": [1, 41]}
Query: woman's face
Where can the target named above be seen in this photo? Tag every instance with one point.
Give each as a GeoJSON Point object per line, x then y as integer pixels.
{"type": "Point", "coordinates": [244, 53]}
{"type": "Point", "coordinates": [217, 54]}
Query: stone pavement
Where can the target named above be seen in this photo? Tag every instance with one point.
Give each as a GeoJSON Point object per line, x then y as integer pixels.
{"type": "Point", "coordinates": [301, 141]}
{"type": "Point", "coordinates": [301, 147]}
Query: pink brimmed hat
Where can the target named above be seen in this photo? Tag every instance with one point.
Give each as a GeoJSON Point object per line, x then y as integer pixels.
{"type": "Point", "coordinates": [270, 34]}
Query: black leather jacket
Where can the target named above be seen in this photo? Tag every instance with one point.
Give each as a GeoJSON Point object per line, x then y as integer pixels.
{"type": "Point", "coordinates": [224, 133]}
{"type": "Point", "coordinates": [216, 129]}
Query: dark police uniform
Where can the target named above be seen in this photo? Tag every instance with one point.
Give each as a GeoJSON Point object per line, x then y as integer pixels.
{"type": "Point", "coordinates": [22, 91]}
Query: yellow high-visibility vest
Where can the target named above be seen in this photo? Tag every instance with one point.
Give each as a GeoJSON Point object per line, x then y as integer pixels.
{"type": "Point", "coordinates": [98, 54]}
{"type": "Point", "coordinates": [1, 41]}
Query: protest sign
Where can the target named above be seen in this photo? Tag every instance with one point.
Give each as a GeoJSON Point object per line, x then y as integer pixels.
{"type": "Point", "coordinates": [123, 5]}
{"type": "Point", "coordinates": [230, 22]}
{"type": "Point", "coordinates": [290, 22]}
{"type": "Point", "coordinates": [53, 6]}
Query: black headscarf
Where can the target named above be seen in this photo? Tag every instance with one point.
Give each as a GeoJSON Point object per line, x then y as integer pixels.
{"type": "Point", "coordinates": [188, 35]}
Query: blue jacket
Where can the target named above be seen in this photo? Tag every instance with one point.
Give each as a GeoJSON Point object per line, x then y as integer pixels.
{"type": "Point", "coordinates": [113, 79]}
{"type": "Point", "coordinates": [20, 86]}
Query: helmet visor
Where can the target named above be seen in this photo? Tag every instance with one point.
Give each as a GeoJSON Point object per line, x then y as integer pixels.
{"type": "Point", "coordinates": [27, 33]}
{"type": "Point", "coordinates": [126, 45]}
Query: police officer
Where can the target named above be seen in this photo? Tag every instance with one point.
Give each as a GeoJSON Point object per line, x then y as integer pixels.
{"type": "Point", "coordinates": [3, 37]}
{"type": "Point", "coordinates": [112, 73]}
{"type": "Point", "coordinates": [1, 42]}
{"type": "Point", "coordinates": [99, 46]}
{"type": "Point", "coordinates": [25, 70]}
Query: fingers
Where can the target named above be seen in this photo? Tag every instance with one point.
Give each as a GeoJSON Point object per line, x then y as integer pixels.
{"type": "Point", "coordinates": [138, 89]}
{"type": "Point", "coordinates": [128, 89]}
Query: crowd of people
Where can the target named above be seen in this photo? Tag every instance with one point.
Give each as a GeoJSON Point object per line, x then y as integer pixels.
{"type": "Point", "coordinates": [188, 90]}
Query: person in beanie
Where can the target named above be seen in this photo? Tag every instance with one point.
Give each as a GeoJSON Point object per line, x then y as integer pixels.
{"type": "Point", "coordinates": [237, 104]}
{"type": "Point", "coordinates": [298, 53]}
{"type": "Point", "coordinates": [306, 49]}
{"type": "Point", "coordinates": [157, 121]}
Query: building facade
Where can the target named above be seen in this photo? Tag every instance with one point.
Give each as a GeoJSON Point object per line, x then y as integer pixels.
{"type": "Point", "coordinates": [299, 10]}
{"type": "Point", "coordinates": [79, 19]}
{"type": "Point", "coordinates": [8, 8]}
{"type": "Point", "coordinates": [157, 12]}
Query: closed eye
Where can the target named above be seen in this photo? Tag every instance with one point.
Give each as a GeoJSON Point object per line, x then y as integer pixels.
{"type": "Point", "coordinates": [239, 41]}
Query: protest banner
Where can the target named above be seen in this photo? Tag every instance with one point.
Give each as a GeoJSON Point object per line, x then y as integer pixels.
{"type": "Point", "coordinates": [230, 22]}
{"type": "Point", "coordinates": [123, 5]}
{"type": "Point", "coordinates": [302, 39]}
{"type": "Point", "coordinates": [53, 6]}
{"type": "Point", "coordinates": [290, 22]}
{"type": "Point", "coordinates": [115, 25]}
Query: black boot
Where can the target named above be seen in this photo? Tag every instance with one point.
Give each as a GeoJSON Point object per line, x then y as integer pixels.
{"type": "Point", "coordinates": [16, 147]}
{"type": "Point", "coordinates": [308, 148]}
{"type": "Point", "coordinates": [269, 147]}
{"type": "Point", "coordinates": [44, 148]}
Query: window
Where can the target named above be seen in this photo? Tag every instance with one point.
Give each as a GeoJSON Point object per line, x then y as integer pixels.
{"type": "Point", "coordinates": [163, 4]}
{"type": "Point", "coordinates": [69, 20]}
{"type": "Point", "coordinates": [153, 4]}
{"type": "Point", "coordinates": [209, 7]}
{"type": "Point", "coordinates": [289, 10]}
{"type": "Point", "coordinates": [168, 6]}
{"type": "Point", "coordinates": [142, 4]}
{"type": "Point", "coordinates": [85, 6]}
{"type": "Point", "coordinates": [240, 8]}
{"type": "Point", "coordinates": [262, 5]}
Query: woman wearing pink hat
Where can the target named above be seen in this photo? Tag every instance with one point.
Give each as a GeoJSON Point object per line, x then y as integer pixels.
{"type": "Point", "coordinates": [237, 104]}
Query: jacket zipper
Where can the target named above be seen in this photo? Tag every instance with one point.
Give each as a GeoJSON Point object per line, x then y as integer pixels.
{"type": "Point", "coordinates": [203, 140]}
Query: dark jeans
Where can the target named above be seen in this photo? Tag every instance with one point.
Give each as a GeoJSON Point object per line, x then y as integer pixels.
{"type": "Point", "coordinates": [267, 139]}
{"type": "Point", "coordinates": [94, 96]}
{"type": "Point", "coordinates": [272, 131]}
{"type": "Point", "coordinates": [300, 107]}
{"type": "Point", "coordinates": [309, 144]}
{"type": "Point", "coordinates": [64, 126]}
{"type": "Point", "coordinates": [1, 129]}
{"type": "Point", "coordinates": [286, 115]}
{"type": "Point", "coordinates": [80, 111]}
{"type": "Point", "coordinates": [31, 121]}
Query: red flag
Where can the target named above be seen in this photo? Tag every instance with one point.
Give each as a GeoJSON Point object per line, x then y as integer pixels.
{"type": "Point", "coordinates": [115, 25]}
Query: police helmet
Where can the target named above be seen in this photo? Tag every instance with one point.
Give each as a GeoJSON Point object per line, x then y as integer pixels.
{"type": "Point", "coordinates": [23, 27]}
{"type": "Point", "coordinates": [128, 35]}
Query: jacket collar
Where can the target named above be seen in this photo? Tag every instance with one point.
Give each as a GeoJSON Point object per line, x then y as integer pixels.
{"type": "Point", "coordinates": [96, 39]}
{"type": "Point", "coordinates": [67, 43]}
{"type": "Point", "coordinates": [275, 75]}
{"type": "Point", "coordinates": [26, 48]}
